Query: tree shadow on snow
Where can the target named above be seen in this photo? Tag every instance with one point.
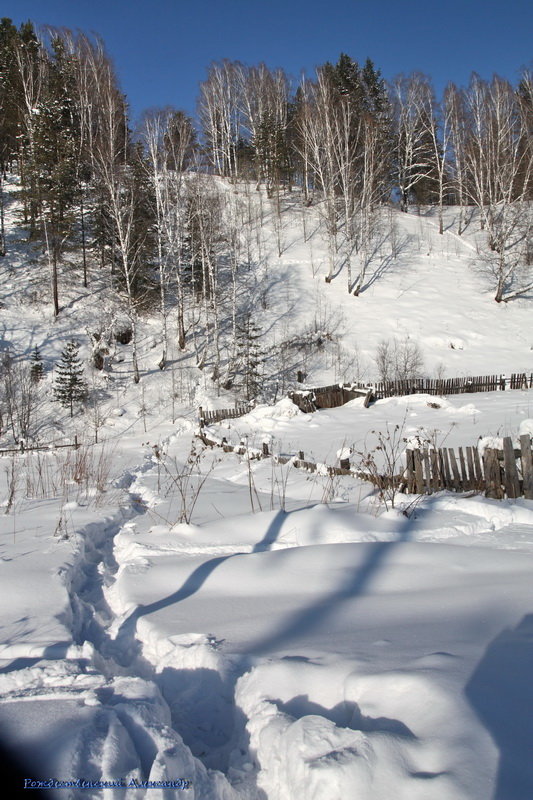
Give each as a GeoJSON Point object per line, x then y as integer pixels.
{"type": "Point", "coordinates": [197, 578]}
{"type": "Point", "coordinates": [345, 715]}
{"type": "Point", "coordinates": [501, 692]}
{"type": "Point", "coordinates": [304, 621]}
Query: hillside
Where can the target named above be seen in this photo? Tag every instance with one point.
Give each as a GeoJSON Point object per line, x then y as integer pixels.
{"type": "Point", "coordinates": [244, 629]}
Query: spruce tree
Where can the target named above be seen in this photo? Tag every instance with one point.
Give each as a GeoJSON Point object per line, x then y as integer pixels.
{"type": "Point", "coordinates": [36, 368]}
{"type": "Point", "coordinates": [70, 385]}
{"type": "Point", "coordinates": [249, 356]}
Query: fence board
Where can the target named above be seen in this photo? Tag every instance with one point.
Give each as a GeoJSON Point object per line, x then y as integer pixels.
{"type": "Point", "coordinates": [471, 468]}
{"type": "Point", "coordinates": [464, 473]}
{"type": "Point", "coordinates": [455, 472]}
{"type": "Point", "coordinates": [492, 474]}
{"type": "Point", "coordinates": [427, 470]}
{"type": "Point", "coordinates": [477, 466]}
{"type": "Point", "coordinates": [527, 466]}
{"type": "Point", "coordinates": [436, 482]}
{"type": "Point", "coordinates": [419, 475]}
{"type": "Point", "coordinates": [410, 465]}
{"type": "Point", "coordinates": [443, 458]}
{"type": "Point", "coordinates": [511, 482]}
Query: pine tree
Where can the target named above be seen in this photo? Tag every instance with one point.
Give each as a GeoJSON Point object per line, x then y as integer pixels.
{"type": "Point", "coordinates": [70, 385]}
{"type": "Point", "coordinates": [37, 367]}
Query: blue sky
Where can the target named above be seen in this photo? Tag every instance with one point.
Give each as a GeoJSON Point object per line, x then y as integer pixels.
{"type": "Point", "coordinates": [162, 48]}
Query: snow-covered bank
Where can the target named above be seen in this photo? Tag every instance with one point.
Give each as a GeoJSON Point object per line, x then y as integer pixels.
{"type": "Point", "coordinates": [338, 649]}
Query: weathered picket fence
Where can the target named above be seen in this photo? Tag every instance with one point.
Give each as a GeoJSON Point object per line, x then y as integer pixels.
{"type": "Point", "coordinates": [310, 400]}
{"type": "Point", "coordinates": [499, 473]}
{"type": "Point", "coordinates": [207, 417]}
{"type": "Point", "coordinates": [437, 386]}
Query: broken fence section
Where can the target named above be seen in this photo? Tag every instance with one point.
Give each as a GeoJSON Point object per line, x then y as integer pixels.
{"type": "Point", "coordinates": [310, 400]}
{"type": "Point", "coordinates": [499, 473]}
{"type": "Point", "coordinates": [51, 446]}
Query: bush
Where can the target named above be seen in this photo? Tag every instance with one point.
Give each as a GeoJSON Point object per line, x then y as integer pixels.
{"type": "Point", "coordinates": [399, 360]}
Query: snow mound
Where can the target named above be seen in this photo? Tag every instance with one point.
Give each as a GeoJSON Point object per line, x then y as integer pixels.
{"type": "Point", "coordinates": [283, 409]}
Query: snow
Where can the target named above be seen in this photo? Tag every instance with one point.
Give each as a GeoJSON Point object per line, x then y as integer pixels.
{"type": "Point", "coordinates": [252, 630]}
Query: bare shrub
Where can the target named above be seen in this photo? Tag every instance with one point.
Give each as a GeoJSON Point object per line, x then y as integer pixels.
{"type": "Point", "coordinates": [19, 395]}
{"type": "Point", "coordinates": [186, 479]}
{"type": "Point", "coordinates": [84, 471]}
{"type": "Point", "coordinates": [399, 360]}
{"type": "Point", "coordinates": [12, 484]}
{"type": "Point", "coordinates": [382, 461]}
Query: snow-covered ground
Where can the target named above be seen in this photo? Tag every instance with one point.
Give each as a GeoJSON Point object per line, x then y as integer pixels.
{"type": "Point", "coordinates": [173, 613]}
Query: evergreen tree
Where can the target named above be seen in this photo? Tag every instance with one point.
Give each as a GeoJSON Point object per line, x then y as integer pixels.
{"type": "Point", "coordinates": [249, 356]}
{"type": "Point", "coordinates": [9, 93]}
{"type": "Point", "coordinates": [142, 220]}
{"type": "Point", "coordinates": [37, 367]}
{"type": "Point", "coordinates": [271, 150]}
{"type": "Point", "coordinates": [55, 155]}
{"type": "Point", "coordinates": [70, 385]}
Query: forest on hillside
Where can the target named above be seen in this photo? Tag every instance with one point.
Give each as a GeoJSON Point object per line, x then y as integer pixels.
{"type": "Point", "coordinates": [164, 214]}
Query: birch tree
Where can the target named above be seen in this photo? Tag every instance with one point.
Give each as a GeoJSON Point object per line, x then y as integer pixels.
{"type": "Point", "coordinates": [171, 145]}
{"type": "Point", "coordinates": [500, 164]}
{"type": "Point", "coordinates": [219, 110]}
{"type": "Point", "coordinates": [456, 120]}
{"type": "Point", "coordinates": [412, 103]}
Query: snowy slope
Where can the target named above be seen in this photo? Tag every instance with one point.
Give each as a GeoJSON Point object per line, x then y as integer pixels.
{"type": "Point", "coordinates": [257, 632]}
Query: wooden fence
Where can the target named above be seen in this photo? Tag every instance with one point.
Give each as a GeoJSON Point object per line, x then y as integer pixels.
{"type": "Point", "coordinates": [206, 417]}
{"type": "Point", "coordinates": [24, 448]}
{"type": "Point", "coordinates": [435, 386]}
{"type": "Point", "coordinates": [298, 461]}
{"type": "Point", "coordinates": [500, 473]}
{"type": "Point", "coordinates": [330, 396]}
{"type": "Point", "coordinates": [337, 395]}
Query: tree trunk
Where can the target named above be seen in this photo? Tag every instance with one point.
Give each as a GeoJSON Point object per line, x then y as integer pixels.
{"type": "Point", "coordinates": [83, 247]}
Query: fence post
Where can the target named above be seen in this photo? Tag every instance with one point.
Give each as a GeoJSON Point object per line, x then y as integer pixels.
{"type": "Point", "coordinates": [368, 398]}
{"type": "Point", "coordinates": [201, 416]}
